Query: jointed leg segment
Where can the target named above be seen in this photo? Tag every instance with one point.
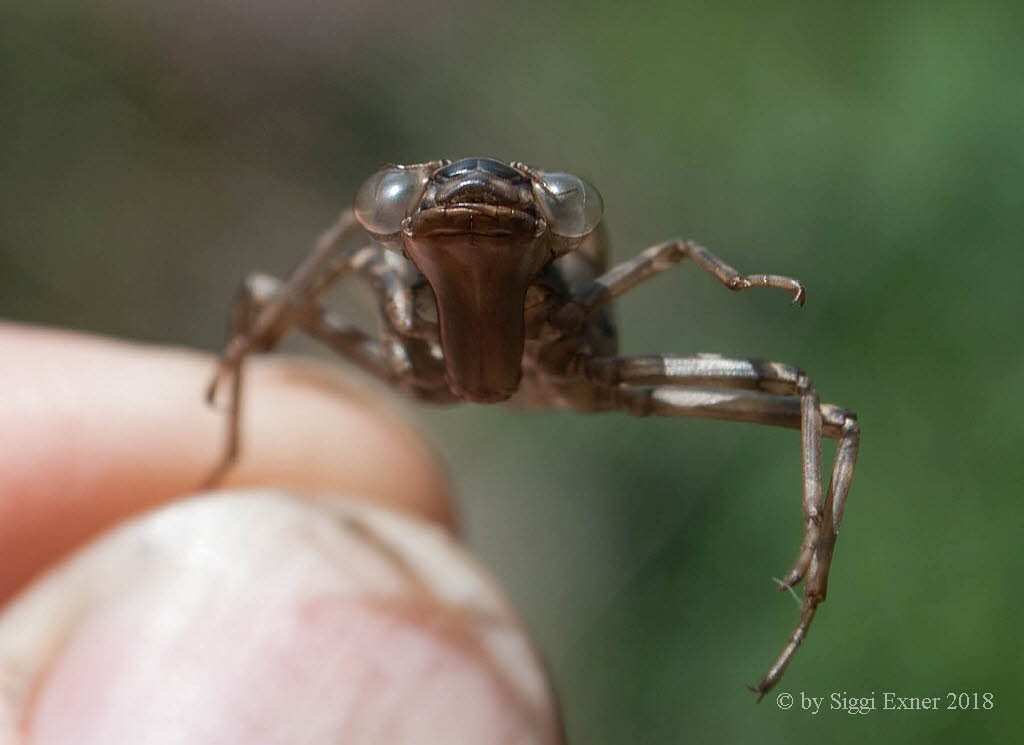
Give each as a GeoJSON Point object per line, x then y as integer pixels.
{"type": "Point", "coordinates": [742, 390]}
{"type": "Point", "coordinates": [656, 259]}
{"type": "Point", "coordinates": [259, 292]}
{"type": "Point", "coordinates": [266, 308]}
{"type": "Point", "coordinates": [764, 393]}
{"type": "Point", "coordinates": [257, 327]}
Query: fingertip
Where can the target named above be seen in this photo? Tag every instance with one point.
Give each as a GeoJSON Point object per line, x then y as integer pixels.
{"type": "Point", "coordinates": [97, 429]}
{"type": "Point", "coordinates": [255, 611]}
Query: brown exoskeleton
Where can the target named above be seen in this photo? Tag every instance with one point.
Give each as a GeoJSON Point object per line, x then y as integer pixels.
{"type": "Point", "coordinates": [493, 285]}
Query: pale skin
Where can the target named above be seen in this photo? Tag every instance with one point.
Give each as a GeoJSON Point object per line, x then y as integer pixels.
{"type": "Point", "coordinates": [86, 454]}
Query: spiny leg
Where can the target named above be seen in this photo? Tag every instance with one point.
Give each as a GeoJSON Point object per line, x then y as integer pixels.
{"type": "Point", "coordinates": [259, 329]}
{"type": "Point", "coordinates": [660, 257]}
{"type": "Point", "coordinates": [714, 370]}
{"type": "Point", "coordinates": [230, 366]}
{"type": "Point", "coordinates": [327, 327]}
{"type": "Point", "coordinates": [810, 430]}
{"type": "Point", "coordinates": [260, 291]}
{"type": "Point", "coordinates": [656, 259]}
{"type": "Point", "coordinates": [654, 385]}
{"type": "Point", "coordinates": [816, 584]}
{"type": "Point", "coordinates": [258, 321]}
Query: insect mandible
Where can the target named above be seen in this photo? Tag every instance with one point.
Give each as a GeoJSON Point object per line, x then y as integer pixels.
{"type": "Point", "coordinates": [493, 285]}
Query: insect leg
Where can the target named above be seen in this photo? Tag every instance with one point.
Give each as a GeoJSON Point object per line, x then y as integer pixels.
{"type": "Point", "coordinates": [261, 328]}
{"type": "Point", "coordinates": [260, 319]}
{"type": "Point", "coordinates": [715, 371]}
{"type": "Point", "coordinates": [656, 259]}
{"type": "Point", "coordinates": [329, 328]}
{"type": "Point", "coordinates": [763, 393]}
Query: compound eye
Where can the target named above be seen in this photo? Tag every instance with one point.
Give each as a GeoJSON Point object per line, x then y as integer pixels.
{"type": "Point", "coordinates": [388, 196]}
{"type": "Point", "coordinates": [572, 207]}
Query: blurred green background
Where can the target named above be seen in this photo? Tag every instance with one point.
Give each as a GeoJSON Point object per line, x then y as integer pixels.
{"type": "Point", "coordinates": [153, 153]}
